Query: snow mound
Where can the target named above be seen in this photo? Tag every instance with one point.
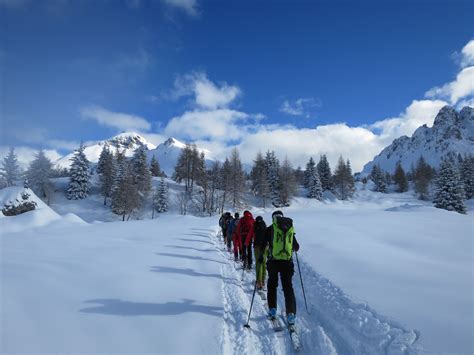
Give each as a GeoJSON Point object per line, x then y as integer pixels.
{"type": "Point", "coordinates": [403, 208]}
{"type": "Point", "coordinates": [41, 216]}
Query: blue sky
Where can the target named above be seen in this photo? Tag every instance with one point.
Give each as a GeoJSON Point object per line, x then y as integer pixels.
{"type": "Point", "coordinates": [256, 74]}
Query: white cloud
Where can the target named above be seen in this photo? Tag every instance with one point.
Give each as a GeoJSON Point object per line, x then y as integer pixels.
{"type": "Point", "coordinates": [121, 121]}
{"type": "Point", "coordinates": [458, 89]}
{"type": "Point", "coordinates": [300, 107]}
{"type": "Point", "coordinates": [219, 124]}
{"type": "Point", "coordinates": [190, 7]}
{"type": "Point", "coordinates": [467, 54]}
{"type": "Point", "coordinates": [207, 95]}
{"type": "Point", "coordinates": [419, 112]}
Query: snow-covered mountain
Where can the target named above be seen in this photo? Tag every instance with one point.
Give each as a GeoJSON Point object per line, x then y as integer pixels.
{"type": "Point", "coordinates": [127, 142]}
{"type": "Point", "coordinates": [167, 154]}
{"type": "Point", "coordinates": [452, 133]}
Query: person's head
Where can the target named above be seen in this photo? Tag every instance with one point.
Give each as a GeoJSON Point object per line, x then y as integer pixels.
{"type": "Point", "coordinates": [259, 219]}
{"type": "Point", "coordinates": [276, 214]}
{"type": "Point", "coordinates": [236, 215]}
{"type": "Point", "coordinates": [247, 214]}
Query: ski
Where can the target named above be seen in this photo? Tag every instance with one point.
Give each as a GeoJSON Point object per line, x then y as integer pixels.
{"type": "Point", "coordinates": [295, 338]}
{"type": "Point", "coordinates": [276, 324]}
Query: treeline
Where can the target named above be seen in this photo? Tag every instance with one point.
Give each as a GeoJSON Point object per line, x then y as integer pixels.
{"type": "Point", "coordinates": [448, 187]}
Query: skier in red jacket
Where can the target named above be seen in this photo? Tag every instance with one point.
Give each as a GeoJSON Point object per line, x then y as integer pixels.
{"type": "Point", "coordinates": [245, 230]}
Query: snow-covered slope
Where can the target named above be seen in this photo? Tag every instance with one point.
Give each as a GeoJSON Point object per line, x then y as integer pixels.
{"type": "Point", "coordinates": [452, 134]}
{"type": "Point", "coordinates": [167, 154]}
{"type": "Point", "coordinates": [127, 142]}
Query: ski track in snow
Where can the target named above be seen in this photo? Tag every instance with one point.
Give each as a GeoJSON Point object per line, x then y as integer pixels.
{"type": "Point", "coordinates": [334, 324]}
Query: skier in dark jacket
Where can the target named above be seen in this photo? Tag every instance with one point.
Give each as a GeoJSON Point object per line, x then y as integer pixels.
{"type": "Point", "coordinates": [281, 240]}
{"type": "Point", "coordinates": [260, 251]}
{"type": "Point", "coordinates": [233, 236]}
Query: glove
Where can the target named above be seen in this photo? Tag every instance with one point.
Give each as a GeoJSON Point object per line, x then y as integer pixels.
{"type": "Point", "coordinates": [296, 247]}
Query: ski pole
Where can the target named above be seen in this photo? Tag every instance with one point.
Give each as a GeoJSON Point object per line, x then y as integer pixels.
{"type": "Point", "coordinates": [301, 279]}
{"type": "Point", "coordinates": [247, 325]}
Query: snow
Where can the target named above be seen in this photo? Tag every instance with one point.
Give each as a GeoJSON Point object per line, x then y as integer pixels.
{"type": "Point", "coordinates": [384, 273]}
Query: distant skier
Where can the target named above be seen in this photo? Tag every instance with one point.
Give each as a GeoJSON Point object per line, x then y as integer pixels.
{"type": "Point", "coordinates": [260, 251]}
{"type": "Point", "coordinates": [222, 224]}
{"type": "Point", "coordinates": [232, 232]}
{"type": "Point", "coordinates": [245, 232]}
{"type": "Point", "coordinates": [281, 240]}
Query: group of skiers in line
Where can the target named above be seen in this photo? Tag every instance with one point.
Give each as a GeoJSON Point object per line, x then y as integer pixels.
{"type": "Point", "coordinates": [273, 248]}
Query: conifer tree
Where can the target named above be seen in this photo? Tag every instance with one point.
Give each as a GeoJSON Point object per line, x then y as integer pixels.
{"type": "Point", "coordinates": [378, 177]}
{"type": "Point", "coordinates": [343, 180]}
{"type": "Point", "coordinates": [315, 189]}
{"type": "Point", "coordinates": [10, 171]}
{"type": "Point", "coordinates": [449, 193]}
{"type": "Point", "coordinates": [272, 166]}
{"type": "Point", "coordinates": [38, 174]}
{"type": "Point", "coordinates": [467, 176]}
{"type": "Point", "coordinates": [106, 172]}
{"type": "Point", "coordinates": [400, 178]}
{"type": "Point", "coordinates": [422, 176]}
{"type": "Point", "coordinates": [324, 171]}
{"type": "Point", "coordinates": [162, 198]}
{"type": "Point", "coordinates": [309, 172]}
{"type": "Point", "coordinates": [258, 175]}
{"type": "Point", "coordinates": [142, 174]}
{"type": "Point", "coordinates": [287, 183]}
{"type": "Point", "coordinates": [125, 196]}
{"type": "Point", "coordinates": [80, 175]}
{"type": "Point", "coordinates": [155, 167]}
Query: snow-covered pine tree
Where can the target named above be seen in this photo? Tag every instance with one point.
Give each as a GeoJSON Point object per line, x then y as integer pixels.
{"type": "Point", "coordinates": [272, 166]}
{"type": "Point", "coordinates": [287, 183]}
{"type": "Point", "coordinates": [79, 184]}
{"type": "Point", "coordinates": [142, 174]}
{"type": "Point", "coordinates": [315, 189]}
{"type": "Point", "coordinates": [155, 168]}
{"type": "Point", "coordinates": [400, 178]}
{"type": "Point", "coordinates": [125, 195]}
{"type": "Point", "coordinates": [377, 175]}
{"type": "Point", "coordinates": [324, 171]}
{"type": "Point", "coordinates": [10, 171]}
{"type": "Point", "coordinates": [38, 174]}
{"type": "Point", "coordinates": [449, 193]}
{"type": "Point", "coordinates": [343, 180]}
{"type": "Point", "coordinates": [259, 178]}
{"type": "Point", "coordinates": [467, 176]}
{"type": "Point", "coordinates": [309, 172]}
{"type": "Point", "coordinates": [162, 198]}
{"type": "Point", "coordinates": [103, 154]}
{"type": "Point", "coordinates": [107, 173]}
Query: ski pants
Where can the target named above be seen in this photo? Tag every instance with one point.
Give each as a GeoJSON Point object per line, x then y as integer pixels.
{"type": "Point", "coordinates": [247, 254]}
{"type": "Point", "coordinates": [237, 245]}
{"type": "Point", "coordinates": [260, 267]}
{"type": "Point", "coordinates": [286, 269]}
{"type": "Point", "coordinates": [228, 239]}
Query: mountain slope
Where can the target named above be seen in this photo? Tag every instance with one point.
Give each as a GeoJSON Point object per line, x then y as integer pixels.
{"type": "Point", "coordinates": [452, 134]}
{"type": "Point", "coordinates": [167, 154]}
{"type": "Point", "coordinates": [128, 142]}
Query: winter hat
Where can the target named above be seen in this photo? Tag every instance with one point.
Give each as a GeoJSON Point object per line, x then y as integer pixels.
{"type": "Point", "coordinates": [277, 214]}
{"type": "Point", "coordinates": [259, 218]}
{"type": "Point", "coordinates": [236, 215]}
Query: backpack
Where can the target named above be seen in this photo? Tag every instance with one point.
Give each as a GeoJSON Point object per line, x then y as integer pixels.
{"type": "Point", "coordinates": [283, 233]}
{"type": "Point", "coordinates": [260, 229]}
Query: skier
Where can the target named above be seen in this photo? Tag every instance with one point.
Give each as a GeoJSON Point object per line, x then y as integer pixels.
{"type": "Point", "coordinates": [228, 236]}
{"type": "Point", "coordinates": [260, 251]}
{"type": "Point", "coordinates": [245, 233]}
{"type": "Point", "coordinates": [222, 224]}
{"type": "Point", "coordinates": [281, 240]}
{"type": "Point", "coordinates": [233, 233]}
